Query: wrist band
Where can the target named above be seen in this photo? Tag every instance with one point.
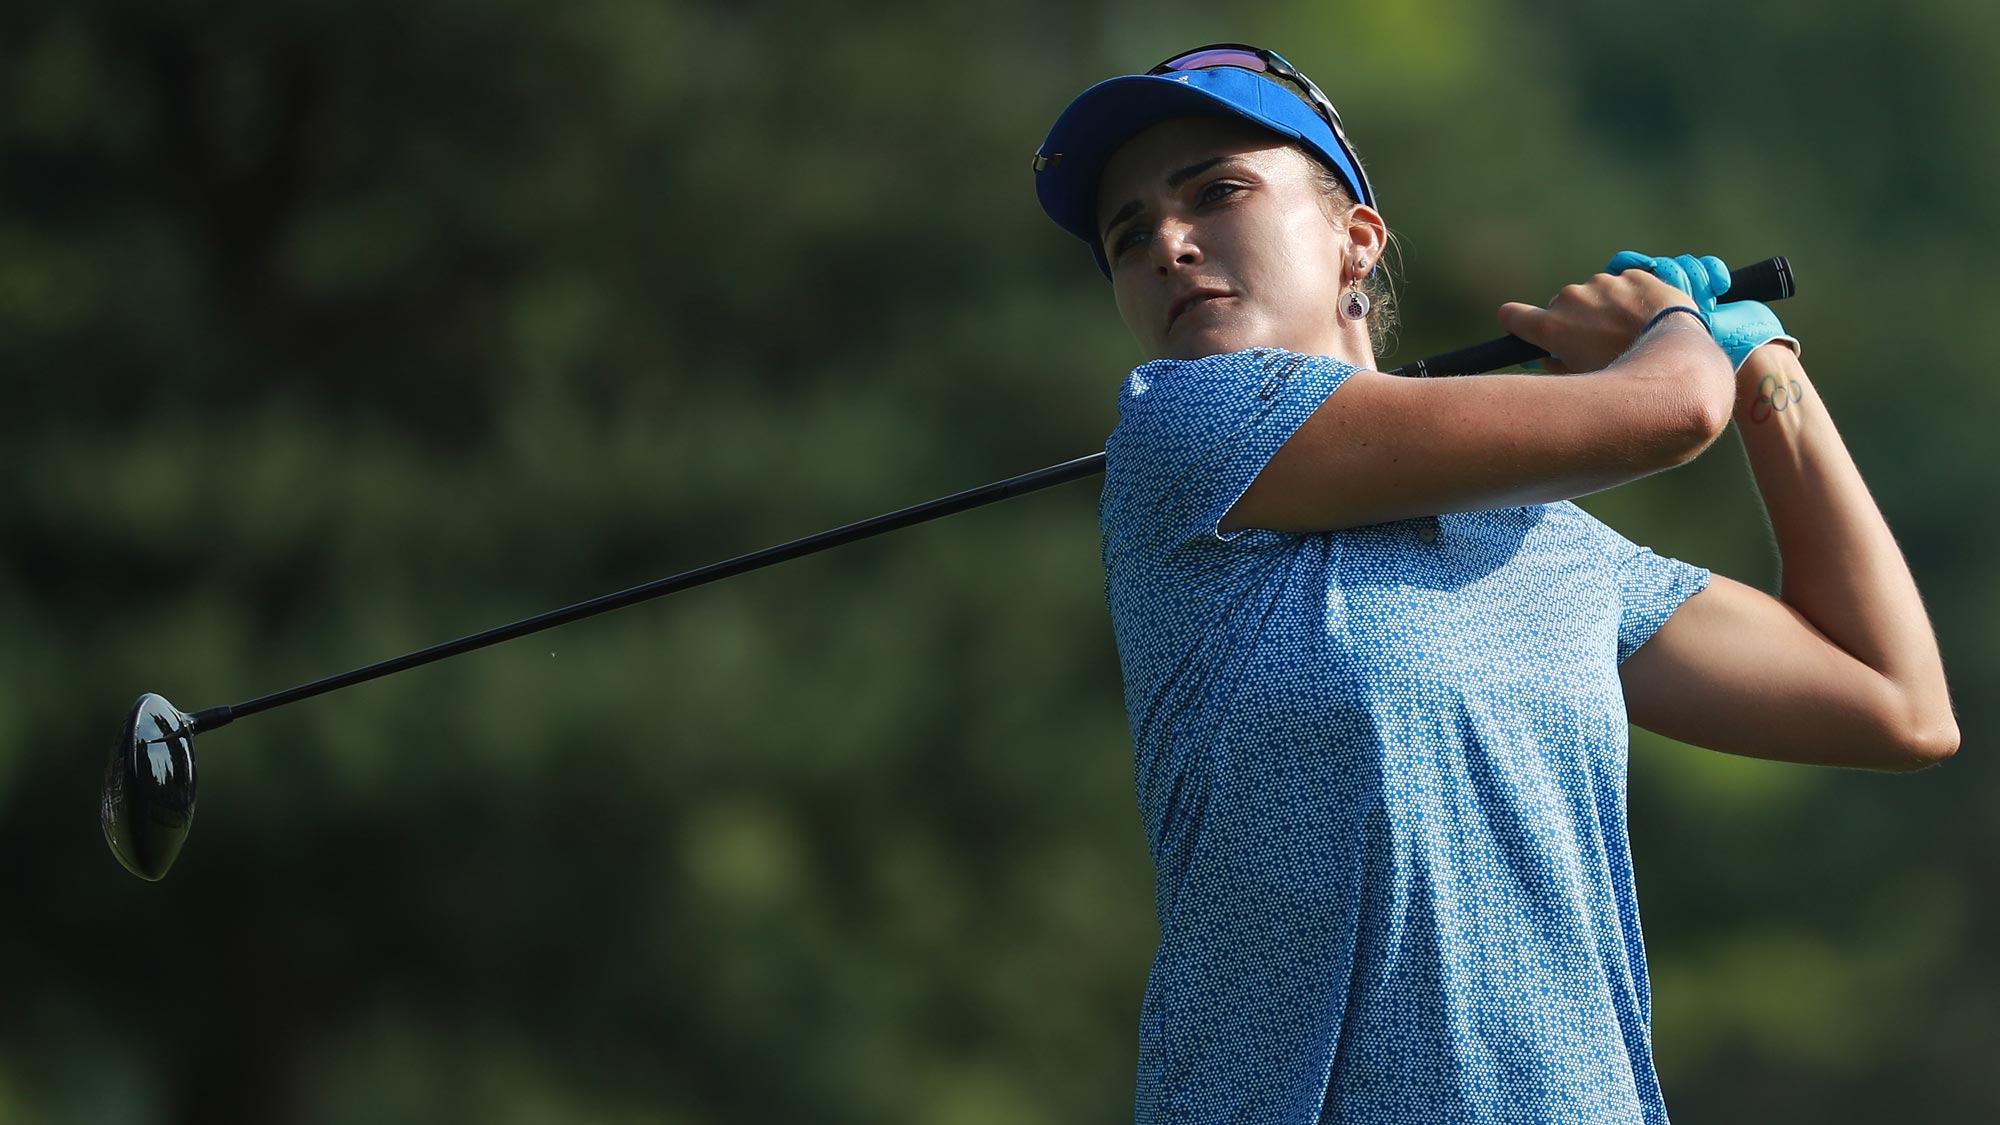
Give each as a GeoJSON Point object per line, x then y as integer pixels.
{"type": "Point", "coordinates": [1663, 314]}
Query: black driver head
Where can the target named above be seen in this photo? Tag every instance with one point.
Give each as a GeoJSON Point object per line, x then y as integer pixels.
{"type": "Point", "coordinates": [149, 788]}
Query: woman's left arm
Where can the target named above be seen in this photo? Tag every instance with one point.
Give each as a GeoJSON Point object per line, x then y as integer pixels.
{"type": "Point", "coordinates": [1842, 668]}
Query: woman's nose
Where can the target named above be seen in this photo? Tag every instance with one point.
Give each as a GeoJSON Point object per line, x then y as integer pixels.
{"type": "Point", "coordinates": [1173, 242]}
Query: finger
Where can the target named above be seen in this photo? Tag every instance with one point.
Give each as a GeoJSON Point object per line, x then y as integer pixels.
{"type": "Point", "coordinates": [1718, 274]}
{"type": "Point", "coordinates": [1629, 260]}
{"type": "Point", "coordinates": [1522, 320]}
{"type": "Point", "coordinates": [1697, 276]}
{"type": "Point", "coordinates": [1528, 323]}
{"type": "Point", "coordinates": [1670, 271]}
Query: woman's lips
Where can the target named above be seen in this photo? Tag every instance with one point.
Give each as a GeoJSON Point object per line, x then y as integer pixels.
{"type": "Point", "coordinates": [1198, 301]}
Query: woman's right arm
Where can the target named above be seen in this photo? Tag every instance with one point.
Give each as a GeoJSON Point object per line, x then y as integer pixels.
{"type": "Point", "coordinates": [1383, 447]}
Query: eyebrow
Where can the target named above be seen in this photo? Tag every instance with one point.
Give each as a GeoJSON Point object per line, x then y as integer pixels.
{"type": "Point", "coordinates": [1174, 180]}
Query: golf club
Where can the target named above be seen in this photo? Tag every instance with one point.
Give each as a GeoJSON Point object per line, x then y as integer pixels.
{"type": "Point", "coordinates": [149, 785]}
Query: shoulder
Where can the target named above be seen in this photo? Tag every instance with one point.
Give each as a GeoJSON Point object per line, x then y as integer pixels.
{"type": "Point", "coordinates": [1182, 399]}
{"type": "Point", "coordinates": [1568, 519]}
{"type": "Point", "coordinates": [1258, 371]}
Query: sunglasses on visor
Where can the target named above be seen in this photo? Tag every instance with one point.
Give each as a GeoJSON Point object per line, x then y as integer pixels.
{"type": "Point", "coordinates": [1273, 66]}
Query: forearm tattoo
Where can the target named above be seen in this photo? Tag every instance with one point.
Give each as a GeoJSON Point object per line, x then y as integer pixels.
{"type": "Point", "coordinates": [1775, 396]}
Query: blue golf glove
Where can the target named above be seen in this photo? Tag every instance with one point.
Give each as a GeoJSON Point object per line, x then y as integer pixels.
{"type": "Point", "coordinates": [1702, 279]}
{"type": "Point", "coordinates": [1741, 327]}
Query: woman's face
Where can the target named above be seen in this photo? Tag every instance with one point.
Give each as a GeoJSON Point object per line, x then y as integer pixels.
{"type": "Point", "coordinates": [1214, 205]}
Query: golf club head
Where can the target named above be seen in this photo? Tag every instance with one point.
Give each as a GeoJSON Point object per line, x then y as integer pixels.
{"type": "Point", "coordinates": [149, 788]}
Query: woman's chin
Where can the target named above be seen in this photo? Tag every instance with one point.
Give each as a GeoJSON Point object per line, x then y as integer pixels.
{"type": "Point", "coordinates": [1203, 341]}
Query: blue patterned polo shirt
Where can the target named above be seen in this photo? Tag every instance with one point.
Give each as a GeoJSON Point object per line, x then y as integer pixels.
{"type": "Point", "coordinates": [1382, 778]}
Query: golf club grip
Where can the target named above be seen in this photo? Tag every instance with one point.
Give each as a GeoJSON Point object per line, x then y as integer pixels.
{"type": "Point", "coordinates": [1768, 280]}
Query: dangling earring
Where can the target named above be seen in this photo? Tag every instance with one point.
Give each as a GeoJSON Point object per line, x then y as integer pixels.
{"type": "Point", "coordinates": [1355, 305]}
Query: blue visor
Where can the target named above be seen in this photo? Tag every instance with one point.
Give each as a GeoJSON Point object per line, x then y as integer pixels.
{"type": "Point", "coordinates": [1104, 117]}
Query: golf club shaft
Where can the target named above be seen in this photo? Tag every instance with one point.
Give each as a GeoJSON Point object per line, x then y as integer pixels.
{"type": "Point", "coordinates": [919, 513]}
{"type": "Point", "coordinates": [1767, 280]}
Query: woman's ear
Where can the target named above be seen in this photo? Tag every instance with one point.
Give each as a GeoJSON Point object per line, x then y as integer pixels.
{"type": "Point", "coordinates": [1366, 232]}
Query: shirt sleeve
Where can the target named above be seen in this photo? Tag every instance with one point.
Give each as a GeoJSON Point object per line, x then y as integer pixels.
{"type": "Point", "coordinates": [1650, 587]}
{"type": "Point", "coordinates": [1193, 435]}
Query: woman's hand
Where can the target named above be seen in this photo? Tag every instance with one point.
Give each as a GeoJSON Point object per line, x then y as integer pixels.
{"type": "Point", "coordinates": [1587, 326]}
{"type": "Point", "coordinates": [1740, 327]}
{"type": "Point", "coordinates": [1704, 279]}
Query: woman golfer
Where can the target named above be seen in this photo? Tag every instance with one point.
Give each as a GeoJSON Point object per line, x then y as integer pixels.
{"type": "Point", "coordinates": [1379, 668]}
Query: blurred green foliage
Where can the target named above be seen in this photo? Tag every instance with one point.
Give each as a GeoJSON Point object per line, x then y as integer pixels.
{"type": "Point", "coordinates": [333, 330]}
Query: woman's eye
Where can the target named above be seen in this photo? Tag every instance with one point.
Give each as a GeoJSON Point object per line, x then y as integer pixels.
{"type": "Point", "coordinates": [1210, 193]}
